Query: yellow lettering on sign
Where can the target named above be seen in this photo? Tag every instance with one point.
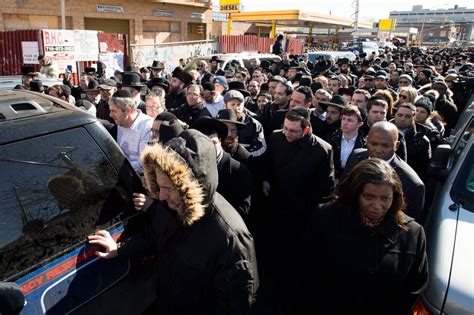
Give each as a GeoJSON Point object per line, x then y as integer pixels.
{"type": "Point", "coordinates": [229, 6]}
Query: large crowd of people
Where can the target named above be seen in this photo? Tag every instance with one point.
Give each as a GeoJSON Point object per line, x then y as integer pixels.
{"type": "Point", "coordinates": [315, 170]}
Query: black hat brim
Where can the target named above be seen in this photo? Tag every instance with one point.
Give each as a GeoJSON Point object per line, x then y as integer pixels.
{"type": "Point", "coordinates": [325, 105]}
{"type": "Point", "coordinates": [239, 124]}
{"type": "Point", "coordinates": [161, 85]}
{"type": "Point", "coordinates": [212, 123]}
{"type": "Point", "coordinates": [245, 93]}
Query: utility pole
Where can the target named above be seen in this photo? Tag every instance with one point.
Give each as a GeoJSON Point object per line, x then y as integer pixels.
{"type": "Point", "coordinates": [355, 5]}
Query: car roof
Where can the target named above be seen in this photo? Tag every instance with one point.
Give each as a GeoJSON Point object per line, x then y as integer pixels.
{"type": "Point", "coordinates": [25, 114]}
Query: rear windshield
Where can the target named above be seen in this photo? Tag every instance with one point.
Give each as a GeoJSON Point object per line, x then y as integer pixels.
{"type": "Point", "coordinates": [55, 190]}
{"type": "Point", "coordinates": [463, 188]}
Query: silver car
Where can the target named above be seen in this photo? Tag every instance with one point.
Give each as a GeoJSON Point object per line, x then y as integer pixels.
{"type": "Point", "coordinates": [450, 225]}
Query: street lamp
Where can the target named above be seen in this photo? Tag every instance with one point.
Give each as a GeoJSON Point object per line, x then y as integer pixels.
{"type": "Point", "coordinates": [424, 19]}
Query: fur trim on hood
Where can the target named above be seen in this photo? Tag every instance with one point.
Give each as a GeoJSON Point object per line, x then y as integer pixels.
{"type": "Point", "coordinates": [190, 163]}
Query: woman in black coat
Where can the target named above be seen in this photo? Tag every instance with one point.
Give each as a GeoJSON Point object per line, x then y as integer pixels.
{"type": "Point", "coordinates": [362, 253]}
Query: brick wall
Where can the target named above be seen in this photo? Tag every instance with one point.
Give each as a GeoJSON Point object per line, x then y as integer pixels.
{"type": "Point", "coordinates": [16, 14]}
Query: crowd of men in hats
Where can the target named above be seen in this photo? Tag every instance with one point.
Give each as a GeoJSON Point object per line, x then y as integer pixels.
{"type": "Point", "coordinates": [286, 133]}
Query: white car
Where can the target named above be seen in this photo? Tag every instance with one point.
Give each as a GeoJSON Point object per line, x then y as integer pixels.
{"type": "Point", "coordinates": [10, 81]}
{"type": "Point", "coordinates": [234, 60]}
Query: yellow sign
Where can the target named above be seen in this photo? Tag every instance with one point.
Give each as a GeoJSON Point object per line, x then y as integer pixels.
{"type": "Point", "coordinates": [230, 6]}
{"type": "Point", "coordinates": [387, 24]}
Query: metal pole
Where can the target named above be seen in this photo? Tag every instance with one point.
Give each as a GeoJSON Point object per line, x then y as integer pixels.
{"type": "Point", "coordinates": [423, 27]}
{"type": "Point", "coordinates": [355, 5]}
{"type": "Point", "coordinates": [392, 22]}
{"type": "Point", "coordinates": [63, 14]}
{"type": "Point", "coordinates": [229, 24]}
{"type": "Point", "coordinates": [273, 33]}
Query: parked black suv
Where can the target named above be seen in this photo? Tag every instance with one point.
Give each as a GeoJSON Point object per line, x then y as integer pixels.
{"type": "Point", "coordinates": [62, 177]}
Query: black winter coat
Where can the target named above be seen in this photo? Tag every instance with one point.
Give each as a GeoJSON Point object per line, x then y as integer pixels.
{"type": "Point", "coordinates": [206, 261]}
{"type": "Point", "coordinates": [418, 149]}
{"type": "Point", "coordinates": [175, 100]}
{"type": "Point", "coordinates": [448, 112]}
{"type": "Point", "coordinates": [335, 140]}
{"type": "Point", "coordinates": [300, 173]}
{"type": "Point", "coordinates": [348, 267]}
{"type": "Point", "coordinates": [190, 114]}
{"type": "Point", "coordinates": [235, 183]}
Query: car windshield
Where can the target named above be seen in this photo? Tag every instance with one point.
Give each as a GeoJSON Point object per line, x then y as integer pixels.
{"type": "Point", "coordinates": [463, 188]}
{"type": "Point", "coordinates": [55, 190]}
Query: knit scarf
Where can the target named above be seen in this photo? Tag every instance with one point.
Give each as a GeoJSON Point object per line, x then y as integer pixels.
{"type": "Point", "coordinates": [371, 223]}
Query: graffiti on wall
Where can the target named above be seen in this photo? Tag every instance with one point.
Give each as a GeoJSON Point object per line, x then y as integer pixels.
{"type": "Point", "coordinates": [171, 54]}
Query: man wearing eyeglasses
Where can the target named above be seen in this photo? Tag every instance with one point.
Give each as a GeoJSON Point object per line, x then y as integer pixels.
{"type": "Point", "coordinates": [203, 69]}
{"type": "Point", "coordinates": [369, 81]}
{"type": "Point", "coordinates": [299, 172]}
{"type": "Point", "coordinates": [194, 108]}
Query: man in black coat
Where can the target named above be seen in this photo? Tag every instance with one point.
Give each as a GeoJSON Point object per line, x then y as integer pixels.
{"type": "Point", "coordinates": [277, 48]}
{"type": "Point", "coordinates": [274, 113]}
{"type": "Point", "coordinates": [205, 254]}
{"type": "Point", "coordinates": [251, 134]}
{"type": "Point", "coordinates": [235, 180]}
{"type": "Point", "coordinates": [299, 173]}
{"type": "Point", "coordinates": [416, 139]}
{"type": "Point", "coordinates": [382, 143]}
{"type": "Point", "coordinates": [176, 95]}
{"type": "Point", "coordinates": [445, 107]}
{"type": "Point", "coordinates": [107, 88]}
{"type": "Point", "coordinates": [333, 111]}
{"type": "Point", "coordinates": [300, 168]}
{"type": "Point", "coordinates": [194, 108]}
{"type": "Point", "coordinates": [348, 138]}
{"type": "Point", "coordinates": [131, 82]}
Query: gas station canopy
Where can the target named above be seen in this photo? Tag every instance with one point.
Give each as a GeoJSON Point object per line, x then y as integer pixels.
{"type": "Point", "coordinates": [297, 18]}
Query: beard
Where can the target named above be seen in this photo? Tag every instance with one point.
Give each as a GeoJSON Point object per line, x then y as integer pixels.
{"type": "Point", "coordinates": [230, 144]}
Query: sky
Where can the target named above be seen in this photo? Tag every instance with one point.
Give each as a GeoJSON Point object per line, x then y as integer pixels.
{"type": "Point", "coordinates": [368, 9]}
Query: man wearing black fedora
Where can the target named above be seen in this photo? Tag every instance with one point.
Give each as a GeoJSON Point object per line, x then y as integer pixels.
{"type": "Point", "coordinates": [235, 180]}
{"type": "Point", "coordinates": [92, 92]}
{"type": "Point", "coordinates": [231, 142]}
{"type": "Point", "coordinates": [36, 86]}
{"type": "Point", "coordinates": [216, 66]}
{"type": "Point", "coordinates": [177, 96]}
{"type": "Point", "coordinates": [157, 70]}
{"type": "Point", "coordinates": [27, 74]}
{"type": "Point", "coordinates": [158, 86]}
{"type": "Point", "coordinates": [131, 82]}
{"type": "Point", "coordinates": [333, 111]}
{"type": "Point", "coordinates": [345, 68]}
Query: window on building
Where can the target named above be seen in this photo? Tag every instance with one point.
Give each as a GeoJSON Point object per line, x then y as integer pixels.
{"type": "Point", "coordinates": [155, 32]}
{"type": "Point", "coordinates": [196, 31]}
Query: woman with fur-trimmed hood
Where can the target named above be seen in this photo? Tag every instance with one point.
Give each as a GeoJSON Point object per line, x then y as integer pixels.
{"type": "Point", "coordinates": [206, 260]}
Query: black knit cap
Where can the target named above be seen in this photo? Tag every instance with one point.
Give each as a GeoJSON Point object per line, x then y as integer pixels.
{"type": "Point", "coordinates": [427, 72]}
{"type": "Point", "coordinates": [425, 103]}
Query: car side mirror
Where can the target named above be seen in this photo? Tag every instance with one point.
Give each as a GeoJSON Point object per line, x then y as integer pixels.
{"type": "Point", "coordinates": [439, 162]}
